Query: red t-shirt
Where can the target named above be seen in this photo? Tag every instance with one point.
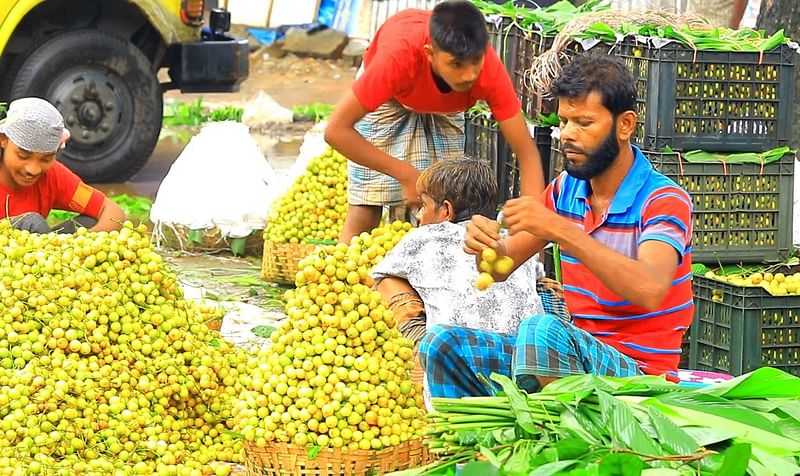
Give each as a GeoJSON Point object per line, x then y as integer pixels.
{"type": "Point", "coordinates": [395, 67]}
{"type": "Point", "coordinates": [59, 189]}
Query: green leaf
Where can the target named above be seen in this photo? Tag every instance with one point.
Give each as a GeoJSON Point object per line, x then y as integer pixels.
{"type": "Point", "coordinates": [233, 434]}
{"type": "Point", "coordinates": [478, 468]}
{"type": "Point", "coordinates": [768, 439]}
{"type": "Point", "coordinates": [238, 246]}
{"type": "Point", "coordinates": [661, 472]}
{"type": "Point", "coordinates": [214, 343]}
{"type": "Point", "coordinates": [518, 401]}
{"type": "Point", "coordinates": [195, 236]}
{"type": "Point", "coordinates": [765, 382]}
{"type": "Point", "coordinates": [571, 448]}
{"type": "Point", "coordinates": [705, 436]}
{"type": "Point", "coordinates": [621, 464]}
{"type": "Point", "coordinates": [491, 457]}
{"type": "Point", "coordinates": [551, 469]}
{"type": "Point", "coordinates": [505, 436]}
{"type": "Point", "coordinates": [625, 428]}
{"type": "Point", "coordinates": [671, 436]}
{"type": "Point", "coordinates": [313, 451]}
{"type": "Point", "coordinates": [262, 331]}
{"type": "Point", "coordinates": [736, 459]}
{"type": "Point", "coordinates": [775, 463]}
{"type": "Point", "coordinates": [584, 428]}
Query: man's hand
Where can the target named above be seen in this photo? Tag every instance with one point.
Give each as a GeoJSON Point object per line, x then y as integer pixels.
{"type": "Point", "coordinates": [481, 233]}
{"type": "Point", "coordinates": [528, 214]}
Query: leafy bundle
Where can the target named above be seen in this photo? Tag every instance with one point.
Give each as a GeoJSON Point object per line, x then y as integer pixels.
{"type": "Point", "coordinates": [590, 425]}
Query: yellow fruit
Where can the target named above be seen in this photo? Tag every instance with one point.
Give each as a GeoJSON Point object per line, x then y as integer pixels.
{"type": "Point", "coordinates": [504, 265]}
{"type": "Point", "coordinates": [483, 281]}
{"type": "Point", "coordinates": [489, 255]}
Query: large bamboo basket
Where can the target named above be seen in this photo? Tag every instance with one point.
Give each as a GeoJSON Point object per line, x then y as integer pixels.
{"type": "Point", "coordinates": [281, 459]}
{"type": "Point", "coordinates": [280, 260]}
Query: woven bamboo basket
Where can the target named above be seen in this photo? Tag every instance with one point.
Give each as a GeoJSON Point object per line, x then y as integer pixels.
{"type": "Point", "coordinates": [178, 237]}
{"type": "Point", "coordinates": [279, 262]}
{"type": "Point", "coordinates": [281, 459]}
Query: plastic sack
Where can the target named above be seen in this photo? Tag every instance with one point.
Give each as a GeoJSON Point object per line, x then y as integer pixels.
{"type": "Point", "coordinates": [313, 146]}
{"type": "Point", "coordinates": [220, 185]}
{"type": "Point", "coordinates": [264, 110]}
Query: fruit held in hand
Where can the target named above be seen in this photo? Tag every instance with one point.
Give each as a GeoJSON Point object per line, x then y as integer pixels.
{"type": "Point", "coordinates": [489, 255]}
{"type": "Point", "coordinates": [504, 265]}
{"type": "Point", "coordinates": [484, 281]}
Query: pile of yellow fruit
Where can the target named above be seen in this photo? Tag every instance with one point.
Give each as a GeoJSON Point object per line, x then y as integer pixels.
{"type": "Point", "coordinates": [337, 374]}
{"type": "Point", "coordinates": [315, 205]}
{"type": "Point", "coordinates": [777, 284]}
{"type": "Point", "coordinates": [104, 368]}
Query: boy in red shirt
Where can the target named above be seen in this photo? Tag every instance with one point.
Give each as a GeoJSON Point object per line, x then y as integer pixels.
{"type": "Point", "coordinates": [33, 182]}
{"type": "Point", "coordinates": [422, 70]}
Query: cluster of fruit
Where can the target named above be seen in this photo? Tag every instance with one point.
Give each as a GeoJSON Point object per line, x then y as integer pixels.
{"type": "Point", "coordinates": [314, 206]}
{"type": "Point", "coordinates": [490, 263]}
{"type": "Point", "coordinates": [104, 368]}
{"type": "Point", "coordinates": [777, 284]}
{"type": "Point", "coordinates": [337, 374]}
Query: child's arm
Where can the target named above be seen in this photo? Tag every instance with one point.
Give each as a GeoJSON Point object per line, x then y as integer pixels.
{"type": "Point", "coordinates": [402, 299]}
{"type": "Point", "coordinates": [110, 218]}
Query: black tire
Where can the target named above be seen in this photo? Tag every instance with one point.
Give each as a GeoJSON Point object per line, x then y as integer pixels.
{"type": "Point", "coordinates": [109, 95]}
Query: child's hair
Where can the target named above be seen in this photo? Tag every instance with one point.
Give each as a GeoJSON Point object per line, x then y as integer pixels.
{"type": "Point", "coordinates": [469, 184]}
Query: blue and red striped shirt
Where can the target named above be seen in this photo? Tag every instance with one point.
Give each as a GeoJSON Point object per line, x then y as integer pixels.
{"type": "Point", "coordinates": [647, 206]}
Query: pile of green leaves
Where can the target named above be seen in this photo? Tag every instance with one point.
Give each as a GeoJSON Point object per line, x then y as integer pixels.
{"type": "Point", "coordinates": [312, 112]}
{"type": "Point", "coordinates": [136, 208]}
{"type": "Point", "coordinates": [194, 113]}
{"type": "Point", "coordinates": [548, 21]}
{"type": "Point", "coordinates": [481, 111]}
{"type": "Point", "coordinates": [716, 39]}
{"type": "Point", "coordinates": [590, 426]}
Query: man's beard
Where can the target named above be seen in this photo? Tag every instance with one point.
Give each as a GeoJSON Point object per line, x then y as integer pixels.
{"type": "Point", "coordinates": [597, 161]}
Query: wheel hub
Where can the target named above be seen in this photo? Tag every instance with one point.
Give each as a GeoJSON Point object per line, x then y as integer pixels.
{"type": "Point", "coordinates": [90, 103]}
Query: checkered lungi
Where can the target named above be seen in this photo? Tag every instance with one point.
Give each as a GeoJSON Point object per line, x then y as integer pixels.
{"type": "Point", "coordinates": [421, 139]}
{"type": "Point", "coordinates": [458, 361]}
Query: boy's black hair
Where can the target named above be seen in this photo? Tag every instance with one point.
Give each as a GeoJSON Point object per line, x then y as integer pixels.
{"type": "Point", "coordinates": [469, 184]}
{"type": "Point", "coordinates": [608, 75]}
{"type": "Point", "coordinates": [459, 28]}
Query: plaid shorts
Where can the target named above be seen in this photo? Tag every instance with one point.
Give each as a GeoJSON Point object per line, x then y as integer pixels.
{"type": "Point", "coordinates": [458, 361]}
{"type": "Point", "coordinates": [421, 139]}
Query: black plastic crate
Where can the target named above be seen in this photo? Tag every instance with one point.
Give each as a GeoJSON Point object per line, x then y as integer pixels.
{"type": "Point", "coordinates": [482, 139]}
{"type": "Point", "coordinates": [711, 100]}
{"type": "Point", "coordinates": [502, 40]}
{"type": "Point", "coordinates": [508, 177]}
{"type": "Point", "coordinates": [742, 212]}
{"type": "Point", "coordinates": [738, 329]}
{"type": "Point", "coordinates": [527, 46]}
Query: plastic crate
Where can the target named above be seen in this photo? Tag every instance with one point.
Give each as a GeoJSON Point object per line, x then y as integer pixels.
{"type": "Point", "coordinates": [526, 46]}
{"type": "Point", "coordinates": [738, 329]}
{"type": "Point", "coordinates": [482, 139]}
{"type": "Point", "coordinates": [508, 178]}
{"type": "Point", "coordinates": [742, 212]}
{"type": "Point", "coordinates": [711, 100]}
{"type": "Point", "coordinates": [502, 40]}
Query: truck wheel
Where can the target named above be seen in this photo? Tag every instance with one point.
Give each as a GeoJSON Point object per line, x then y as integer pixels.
{"type": "Point", "coordinates": [109, 95]}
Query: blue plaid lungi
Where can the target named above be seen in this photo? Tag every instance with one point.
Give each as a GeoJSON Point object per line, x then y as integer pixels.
{"type": "Point", "coordinates": [458, 361]}
{"type": "Point", "coordinates": [421, 139]}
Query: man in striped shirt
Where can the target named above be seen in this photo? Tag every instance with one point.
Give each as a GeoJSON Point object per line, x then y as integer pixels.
{"type": "Point", "coordinates": [625, 234]}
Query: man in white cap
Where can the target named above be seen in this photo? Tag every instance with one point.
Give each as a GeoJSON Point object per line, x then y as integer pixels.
{"type": "Point", "coordinates": [33, 182]}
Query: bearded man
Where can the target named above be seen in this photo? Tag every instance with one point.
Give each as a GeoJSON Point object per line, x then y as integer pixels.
{"type": "Point", "coordinates": [625, 233]}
